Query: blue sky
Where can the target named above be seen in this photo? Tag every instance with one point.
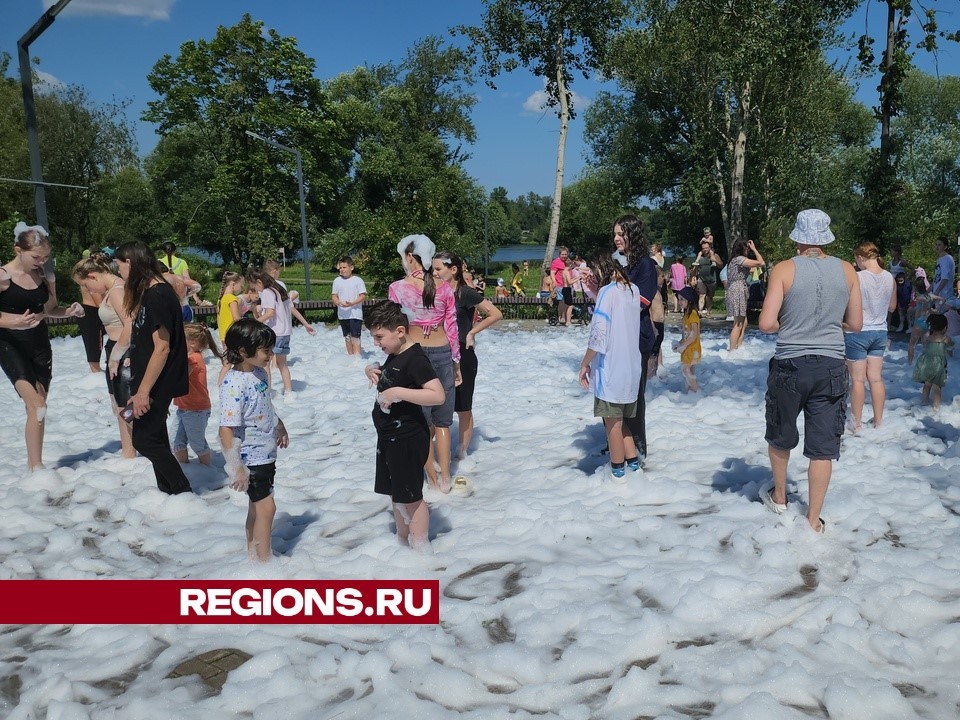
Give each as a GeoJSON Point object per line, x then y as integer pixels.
{"type": "Point", "coordinates": [109, 46]}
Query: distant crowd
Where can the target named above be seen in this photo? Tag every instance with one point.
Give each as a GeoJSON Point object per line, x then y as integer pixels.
{"type": "Point", "coordinates": [832, 321]}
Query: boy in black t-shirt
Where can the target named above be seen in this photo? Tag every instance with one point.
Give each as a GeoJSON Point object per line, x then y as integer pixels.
{"type": "Point", "coordinates": [405, 381]}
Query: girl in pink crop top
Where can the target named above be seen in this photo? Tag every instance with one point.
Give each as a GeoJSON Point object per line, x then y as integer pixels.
{"type": "Point", "coordinates": [443, 312]}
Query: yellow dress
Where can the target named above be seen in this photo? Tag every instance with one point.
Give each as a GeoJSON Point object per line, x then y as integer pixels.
{"type": "Point", "coordinates": [691, 354]}
{"type": "Point", "coordinates": [224, 316]}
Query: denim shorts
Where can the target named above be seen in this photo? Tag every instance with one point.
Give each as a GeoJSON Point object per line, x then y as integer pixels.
{"type": "Point", "coordinates": [190, 426]}
{"type": "Point", "coordinates": [817, 386]}
{"type": "Point", "coordinates": [283, 345]}
{"type": "Point", "coordinates": [441, 358]}
{"type": "Point", "coordinates": [866, 342]}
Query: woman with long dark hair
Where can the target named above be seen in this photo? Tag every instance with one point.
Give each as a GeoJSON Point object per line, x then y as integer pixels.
{"type": "Point", "coordinates": [631, 242]}
{"type": "Point", "coordinates": [448, 267]}
{"type": "Point", "coordinates": [744, 257]}
{"type": "Point", "coordinates": [275, 310]}
{"type": "Point", "coordinates": [158, 359]}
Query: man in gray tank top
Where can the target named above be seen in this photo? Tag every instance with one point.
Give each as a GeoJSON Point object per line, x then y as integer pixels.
{"type": "Point", "coordinates": [811, 299]}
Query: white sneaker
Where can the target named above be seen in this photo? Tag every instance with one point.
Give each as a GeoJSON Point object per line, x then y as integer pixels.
{"type": "Point", "coordinates": [766, 496]}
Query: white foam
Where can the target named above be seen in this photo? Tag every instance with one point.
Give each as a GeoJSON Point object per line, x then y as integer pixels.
{"type": "Point", "coordinates": [565, 594]}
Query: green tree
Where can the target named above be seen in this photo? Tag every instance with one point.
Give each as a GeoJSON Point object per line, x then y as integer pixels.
{"type": "Point", "coordinates": [926, 136]}
{"type": "Point", "coordinates": [125, 208]}
{"type": "Point", "coordinates": [552, 38]}
{"type": "Point", "coordinates": [82, 143]}
{"type": "Point", "coordinates": [884, 191]}
{"type": "Point", "coordinates": [406, 126]}
{"type": "Point", "coordinates": [723, 101]}
{"type": "Point", "coordinates": [240, 197]}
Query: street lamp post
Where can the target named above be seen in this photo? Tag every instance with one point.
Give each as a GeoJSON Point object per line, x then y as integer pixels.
{"type": "Point", "coordinates": [29, 109]}
{"type": "Point", "coordinates": [303, 204]}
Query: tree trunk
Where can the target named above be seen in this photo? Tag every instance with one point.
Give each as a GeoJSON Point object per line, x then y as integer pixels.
{"type": "Point", "coordinates": [885, 90]}
{"type": "Point", "coordinates": [739, 169]}
{"type": "Point", "coordinates": [721, 194]}
{"type": "Point", "coordinates": [561, 145]}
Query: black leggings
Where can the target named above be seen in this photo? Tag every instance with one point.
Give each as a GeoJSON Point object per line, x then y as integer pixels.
{"type": "Point", "coordinates": [151, 440]}
{"type": "Point", "coordinates": [638, 424]}
{"type": "Point", "coordinates": [91, 330]}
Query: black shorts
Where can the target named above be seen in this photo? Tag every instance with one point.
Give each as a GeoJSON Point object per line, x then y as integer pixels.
{"type": "Point", "coordinates": [261, 481]}
{"type": "Point", "coordinates": [400, 464]}
{"type": "Point", "coordinates": [351, 328]}
{"type": "Point", "coordinates": [816, 385]}
{"type": "Point", "coordinates": [468, 372]}
{"type": "Point", "coordinates": [567, 294]}
{"type": "Point", "coordinates": [108, 348]}
{"type": "Point", "coordinates": [91, 330]}
{"type": "Point", "coordinates": [27, 355]}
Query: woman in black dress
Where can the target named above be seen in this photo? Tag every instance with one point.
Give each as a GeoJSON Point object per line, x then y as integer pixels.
{"type": "Point", "coordinates": [28, 294]}
{"type": "Point", "coordinates": [158, 359]}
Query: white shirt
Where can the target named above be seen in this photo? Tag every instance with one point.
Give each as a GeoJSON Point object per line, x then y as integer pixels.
{"type": "Point", "coordinates": [946, 270]}
{"type": "Point", "coordinates": [615, 336]}
{"type": "Point", "coordinates": [348, 290]}
{"type": "Point", "coordinates": [246, 408]}
{"type": "Point", "coordinates": [876, 289]}
{"type": "Point", "coordinates": [281, 322]}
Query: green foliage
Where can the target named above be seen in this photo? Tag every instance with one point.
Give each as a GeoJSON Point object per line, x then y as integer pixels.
{"type": "Point", "coordinates": [82, 143]}
{"type": "Point", "coordinates": [405, 125]}
{"type": "Point", "coordinates": [224, 190]}
{"type": "Point", "coordinates": [548, 38]}
{"type": "Point", "coordinates": [724, 107]}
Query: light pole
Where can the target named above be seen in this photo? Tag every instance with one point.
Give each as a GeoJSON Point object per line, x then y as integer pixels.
{"type": "Point", "coordinates": [29, 110]}
{"type": "Point", "coordinates": [303, 206]}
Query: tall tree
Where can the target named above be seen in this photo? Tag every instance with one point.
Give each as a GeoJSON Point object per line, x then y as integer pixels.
{"type": "Point", "coordinates": [241, 197]}
{"type": "Point", "coordinates": [84, 144]}
{"type": "Point", "coordinates": [406, 126]}
{"type": "Point", "coordinates": [708, 79]}
{"type": "Point", "coordinates": [553, 38]}
{"type": "Point", "coordinates": [883, 191]}
{"type": "Point", "coordinates": [926, 136]}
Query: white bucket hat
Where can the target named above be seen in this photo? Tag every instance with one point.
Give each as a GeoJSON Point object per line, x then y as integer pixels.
{"type": "Point", "coordinates": [423, 248]}
{"type": "Point", "coordinates": [812, 228]}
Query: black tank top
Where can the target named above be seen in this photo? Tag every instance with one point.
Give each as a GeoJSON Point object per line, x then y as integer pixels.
{"type": "Point", "coordinates": [18, 300]}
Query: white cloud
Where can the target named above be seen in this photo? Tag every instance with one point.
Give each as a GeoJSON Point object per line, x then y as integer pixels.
{"type": "Point", "coordinates": [45, 82]}
{"type": "Point", "coordinates": [536, 103]}
{"type": "Point", "coordinates": [151, 9]}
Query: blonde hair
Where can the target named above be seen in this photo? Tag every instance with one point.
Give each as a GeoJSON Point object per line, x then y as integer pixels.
{"type": "Point", "coordinates": [867, 250]}
{"type": "Point", "coordinates": [199, 334]}
{"type": "Point", "coordinates": [228, 277]}
{"type": "Point", "coordinates": [88, 266]}
{"type": "Point", "coordinates": [271, 265]}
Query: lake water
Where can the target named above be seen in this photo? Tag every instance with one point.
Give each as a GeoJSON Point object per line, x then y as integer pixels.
{"type": "Point", "coordinates": [515, 253]}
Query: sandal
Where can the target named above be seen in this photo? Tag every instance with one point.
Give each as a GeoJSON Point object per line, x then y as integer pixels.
{"type": "Point", "coordinates": [823, 527]}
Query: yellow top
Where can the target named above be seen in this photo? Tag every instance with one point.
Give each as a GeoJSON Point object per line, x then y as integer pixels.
{"type": "Point", "coordinates": [224, 316]}
{"type": "Point", "coordinates": [691, 354]}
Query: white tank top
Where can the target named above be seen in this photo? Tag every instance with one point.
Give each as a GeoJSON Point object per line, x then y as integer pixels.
{"type": "Point", "coordinates": [876, 289]}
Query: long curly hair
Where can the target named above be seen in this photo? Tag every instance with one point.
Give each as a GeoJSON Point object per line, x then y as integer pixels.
{"type": "Point", "coordinates": [636, 237]}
